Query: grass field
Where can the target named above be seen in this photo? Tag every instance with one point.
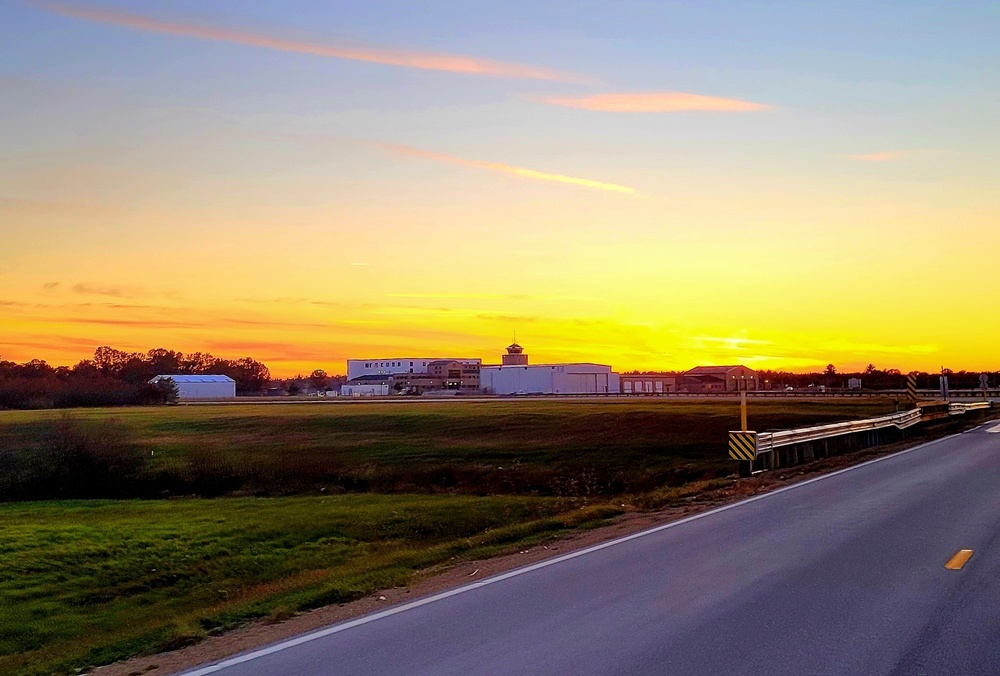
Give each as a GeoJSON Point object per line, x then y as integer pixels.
{"type": "Point", "coordinates": [363, 496]}
{"type": "Point", "coordinates": [504, 447]}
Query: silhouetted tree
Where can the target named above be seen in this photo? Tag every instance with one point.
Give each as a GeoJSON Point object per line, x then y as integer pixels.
{"type": "Point", "coordinates": [318, 379]}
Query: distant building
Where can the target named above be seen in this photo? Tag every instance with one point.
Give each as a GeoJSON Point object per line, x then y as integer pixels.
{"type": "Point", "coordinates": [647, 384]}
{"type": "Point", "coordinates": [446, 375]}
{"type": "Point", "coordinates": [368, 386]}
{"type": "Point", "coordinates": [455, 374]}
{"type": "Point", "coordinates": [201, 386]}
{"type": "Point", "coordinates": [516, 376]}
{"type": "Point", "coordinates": [718, 379]}
{"type": "Point", "coordinates": [396, 365]}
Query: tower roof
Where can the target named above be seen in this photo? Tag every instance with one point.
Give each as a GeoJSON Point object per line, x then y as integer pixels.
{"type": "Point", "coordinates": [514, 348]}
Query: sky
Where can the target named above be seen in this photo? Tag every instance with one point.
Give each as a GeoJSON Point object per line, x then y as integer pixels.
{"type": "Point", "coordinates": [647, 184]}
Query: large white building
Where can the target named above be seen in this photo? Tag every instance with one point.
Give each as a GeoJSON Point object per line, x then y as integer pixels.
{"type": "Point", "coordinates": [201, 386]}
{"type": "Point", "coordinates": [396, 365]}
{"type": "Point", "coordinates": [522, 378]}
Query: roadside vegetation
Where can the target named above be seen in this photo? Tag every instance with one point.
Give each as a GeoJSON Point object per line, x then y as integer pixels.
{"type": "Point", "coordinates": [89, 582]}
{"type": "Point", "coordinates": [262, 511]}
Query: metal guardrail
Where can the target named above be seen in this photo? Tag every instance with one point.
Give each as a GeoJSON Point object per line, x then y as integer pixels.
{"type": "Point", "coordinates": [959, 408]}
{"type": "Point", "coordinates": [767, 441]}
{"type": "Point", "coordinates": [803, 394]}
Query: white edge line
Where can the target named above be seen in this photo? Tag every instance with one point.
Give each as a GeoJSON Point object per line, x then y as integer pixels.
{"type": "Point", "coordinates": [337, 628]}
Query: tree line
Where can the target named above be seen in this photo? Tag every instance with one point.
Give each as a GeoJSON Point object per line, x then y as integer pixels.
{"type": "Point", "coordinates": [117, 378]}
{"type": "Point", "coordinates": [871, 377]}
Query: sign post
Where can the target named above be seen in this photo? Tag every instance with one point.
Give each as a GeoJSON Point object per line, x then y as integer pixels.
{"type": "Point", "coordinates": [743, 410]}
{"type": "Point", "coordinates": [743, 447]}
{"type": "Point", "coordinates": [911, 387]}
{"type": "Point", "coordinates": [746, 465]}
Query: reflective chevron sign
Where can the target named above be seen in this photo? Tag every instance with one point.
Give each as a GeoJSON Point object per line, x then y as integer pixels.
{"type": "Point", "coordinates": [911, 386]}
{"type": "Point", "coordinates": [743, 445]}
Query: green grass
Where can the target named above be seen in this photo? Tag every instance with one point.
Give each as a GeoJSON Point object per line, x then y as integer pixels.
{"type": "Point", "coordinates": [522, 447]}
{"type": "Point", "coordinates": [89, 582]}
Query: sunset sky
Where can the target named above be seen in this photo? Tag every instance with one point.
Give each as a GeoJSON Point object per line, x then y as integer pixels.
{"type": "Point", "coordinates": [651, 185]}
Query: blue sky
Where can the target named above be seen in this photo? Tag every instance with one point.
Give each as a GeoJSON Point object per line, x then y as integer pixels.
{"type": "Point", "coordinates": [877, 140]}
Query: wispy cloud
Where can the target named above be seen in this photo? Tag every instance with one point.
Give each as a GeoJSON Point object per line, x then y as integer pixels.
{"type": "Point", "coordinates": [113, 291]}
{"type": "Point", "coordinates": [656, 102]}
{"type": "Point", "coordinates": [511, 170]}
{"type": "Point", "coordinates": [390, 57]}
{"type": "Point", "coordinates": [887, 156]}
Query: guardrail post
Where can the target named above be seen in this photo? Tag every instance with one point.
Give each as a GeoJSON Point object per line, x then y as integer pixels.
{"type": "Point", "coordinates": [743, 447]}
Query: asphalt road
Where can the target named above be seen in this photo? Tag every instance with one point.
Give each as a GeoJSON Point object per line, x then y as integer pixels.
{"type": "Point", "coordinates": [844, 574]}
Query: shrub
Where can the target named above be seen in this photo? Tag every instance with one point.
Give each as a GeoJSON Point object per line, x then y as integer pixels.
{"type": "Point", "coordinates": [75, 459]}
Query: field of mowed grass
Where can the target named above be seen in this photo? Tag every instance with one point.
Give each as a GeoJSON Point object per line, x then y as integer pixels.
{"type": "Point", "coordinates": [89, 582]}
{"type": "Point", "coordinates": [561, 448]}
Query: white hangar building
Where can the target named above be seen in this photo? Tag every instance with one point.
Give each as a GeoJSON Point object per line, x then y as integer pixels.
{"type": "Point", "coordinates": [516, 376]}
{"type": "Point", "coordinates": [201, 386]}
{"type": "Point", "coordinates": [357, 368]}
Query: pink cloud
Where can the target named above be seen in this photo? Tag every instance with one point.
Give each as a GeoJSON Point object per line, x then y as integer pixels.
{"type": "Point", "coordinates": [656, 102]}
{"type": "Point", "coordinates": [390, 57]}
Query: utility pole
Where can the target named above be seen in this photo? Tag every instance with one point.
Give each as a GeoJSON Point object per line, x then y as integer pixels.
{"type": "Point", "coordinates": [743, 406]}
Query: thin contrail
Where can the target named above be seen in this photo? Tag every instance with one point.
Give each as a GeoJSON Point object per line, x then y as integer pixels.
{"type": "Point", "coordinates": [520, 172]}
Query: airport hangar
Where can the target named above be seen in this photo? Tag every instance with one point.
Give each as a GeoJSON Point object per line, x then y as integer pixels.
{"type": "Point", "coordinates": [201, 386]}
{"type": "Point", "coordinates": [516, 376]}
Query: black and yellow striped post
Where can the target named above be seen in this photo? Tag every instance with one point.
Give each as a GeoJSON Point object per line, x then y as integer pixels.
{"type": "Point", "coordinates": [911, 387]}
{"type": "Point", "coordinates": [743, 447]}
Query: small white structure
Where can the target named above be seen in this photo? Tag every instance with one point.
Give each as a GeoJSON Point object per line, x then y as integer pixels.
{"type": "Point", "coordinates": [368, 386]}
{"type": "Point", "coordinates": [581, 378]}
{"type": "Point", "coordinates": [201, 387]}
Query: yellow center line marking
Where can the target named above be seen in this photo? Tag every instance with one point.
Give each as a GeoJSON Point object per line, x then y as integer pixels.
{"type": "Point", "coordinates": [961, 557]}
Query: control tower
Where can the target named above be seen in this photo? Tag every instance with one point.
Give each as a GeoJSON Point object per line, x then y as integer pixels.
{"type": "Point", "coordinates": [515, 356]}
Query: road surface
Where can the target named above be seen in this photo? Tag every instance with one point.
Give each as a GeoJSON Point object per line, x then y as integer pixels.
{"type": "Point", "coordinates": [844, 574]}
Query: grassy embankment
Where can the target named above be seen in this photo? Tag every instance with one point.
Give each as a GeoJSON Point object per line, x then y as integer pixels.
{"type": "Point", "coordinates": [87, 582]}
